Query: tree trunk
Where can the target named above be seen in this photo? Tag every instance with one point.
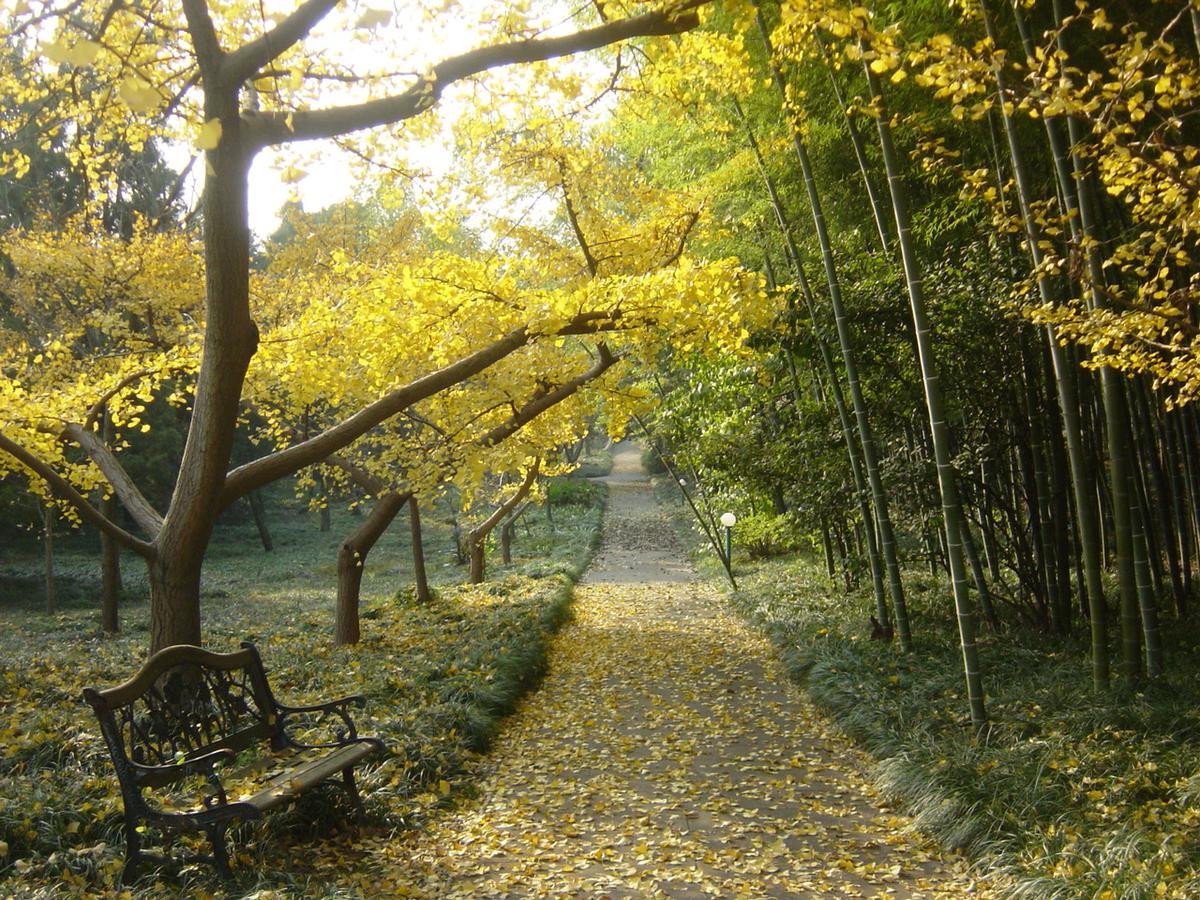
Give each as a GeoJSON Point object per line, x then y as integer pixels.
{"type": "Point", "coordinates": [866, 436]}
{"type": "Point", "coordinates": [175, 598]}
{"type": "Point", "coordinates": [1090, 537]}
{"type": "Point", "coordinates": [476, 554]}
{"type": "Point", "coordinates": [420, 579]}
{"type": "Point", "coordinates": [230, 340]}
{"type": "Point", "coordinates": [477, 537]}
{"type": "Point", "coordinates": [506, 536]}
{"type": "Point", "coordinates": [874, 558]}
{"type": "Point", "coordinates": [110, 552]}
{"type": "Point", "coordinates": [110, 566]}
{"type": "Point", "coordinates": [48, 544]}
{"type": "Point", "coordinates": [254, 498]}
{"type": "Point", "coordinates": [352, 557]}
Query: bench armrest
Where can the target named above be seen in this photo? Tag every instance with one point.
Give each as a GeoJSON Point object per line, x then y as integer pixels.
{"type": "Point", "coordinates": [333, 714]}
{"type": "Point", "coordinates": [201, 765]}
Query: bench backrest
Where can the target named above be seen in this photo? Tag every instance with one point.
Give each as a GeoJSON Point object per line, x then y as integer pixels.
{"type": "Point", "coordinates": [186, 701]}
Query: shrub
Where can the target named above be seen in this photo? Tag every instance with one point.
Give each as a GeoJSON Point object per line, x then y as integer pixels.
{"type": "Point", "coordinates": [764, 535]}
{"type": "Point", "coordinates": [573, 492]}
{"type": "Point", "coordinates": [652, 462]}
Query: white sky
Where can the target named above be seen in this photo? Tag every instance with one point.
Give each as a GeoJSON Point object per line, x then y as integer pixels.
{"type": "Point", "coordinates": [334, 174]}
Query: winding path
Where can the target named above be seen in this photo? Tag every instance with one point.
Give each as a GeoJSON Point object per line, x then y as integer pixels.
{"type": "Point", "coordinates": [667, 755]}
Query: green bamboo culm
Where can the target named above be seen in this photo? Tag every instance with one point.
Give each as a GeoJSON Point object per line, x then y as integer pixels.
{"type": "Point", "coordinates": [939, 432]}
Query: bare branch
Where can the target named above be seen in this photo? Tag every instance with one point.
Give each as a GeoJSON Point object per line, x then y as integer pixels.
{"type": "Point", "coordinates": [62, 488]}
{"type": "Point", "coordinates": [97, 408]}
{"type": "Point", "coordinates": [573, 218]}
{"type": "Point", "coordinates": [265, 129]}
{"type": "Point", "coordinates": [687, 230]}
{"type": "Point", "coordinates": [244, 62]}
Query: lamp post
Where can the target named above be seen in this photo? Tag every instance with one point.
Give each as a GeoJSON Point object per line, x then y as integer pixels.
{"type": "Point", "coordinates": [728, 519]}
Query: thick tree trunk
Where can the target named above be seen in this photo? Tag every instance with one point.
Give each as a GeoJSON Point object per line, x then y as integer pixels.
{"type": "Point", "coordinates": [420, 578]}
{"type": "Point", "coordinates": [175, 598]}
{"type": "Point", "coordinates": [476, 553]}
{"type": "Point", "coordinates": [352, 557]}
{"type": "Point", "coordinates": [230, 340]}
{"type": "Point", "coordinates": [506, 539]}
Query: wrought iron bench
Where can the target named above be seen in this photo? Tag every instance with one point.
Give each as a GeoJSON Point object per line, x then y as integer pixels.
{"type": "Point", "coordinates": [189, 712]}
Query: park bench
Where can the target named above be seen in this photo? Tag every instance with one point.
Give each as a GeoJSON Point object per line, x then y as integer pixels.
{"type": "Point", "coordinates": [190, 712]}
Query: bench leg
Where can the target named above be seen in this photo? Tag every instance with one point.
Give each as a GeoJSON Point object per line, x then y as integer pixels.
{"type": "Point", "coordinates": [133, 854]}
{"type": "Point", "coordinates": [216, 836]}
{"type": "Point", "coordinates": [360, 812]}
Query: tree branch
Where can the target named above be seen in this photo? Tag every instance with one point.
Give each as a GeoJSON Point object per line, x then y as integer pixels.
{"type": "Point", "coordinates": [485, 527]}
{"type": "Point", "coordinates": [573, 218]}
{"type": "Point", "coordinates": [131, 497]}
{"type": "Point", "coordinates": [358, 474]}
{"type": "Point", "coordinates": [265, 469]}
{"type": "Point", "coordinates": [62, 488]}
{"type": "Point", "coordinates": [204, 39]}
{"type": "Point", "coordinates": [245, 61]}
{"type": "Point", "coordinates": [265, 129]}
{"type": "Point", "coordinates": [542, 401]}
{"type": "Point", "coordinates": [97, 408]}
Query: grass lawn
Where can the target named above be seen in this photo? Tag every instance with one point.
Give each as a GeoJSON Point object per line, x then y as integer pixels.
{"type": "Point", "coordinates": [437, 679]}
{"type": "Point", "coordinates": [1069, 793]}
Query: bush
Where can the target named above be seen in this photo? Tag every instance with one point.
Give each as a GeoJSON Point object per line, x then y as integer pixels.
{"type": "Point", "coordinates": [764, 535]}
{"type": "Point", "coordinates": [652, 462]}
{"type": "Point", "coordinates": [571, 491]}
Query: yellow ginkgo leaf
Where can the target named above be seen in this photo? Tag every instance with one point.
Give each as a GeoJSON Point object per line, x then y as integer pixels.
{"type": "Point", "coordinates": [373, 18]}
{"type": "Point", "coordinates": [84, 53]}
{"type": "Point", "coordinates": [138, 95]}
{"type": "Point", "coordinates": [208, 135]}
{"type": "Point", "coordinates": [56, 52]}
{"type": "Point", "coordinates": [292, 174]}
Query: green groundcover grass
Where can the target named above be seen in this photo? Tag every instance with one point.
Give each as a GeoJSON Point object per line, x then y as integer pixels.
{"type": "Point", "coordinates": [1068, 794]}
{"type": "Point", "coordinates": [436, 678]}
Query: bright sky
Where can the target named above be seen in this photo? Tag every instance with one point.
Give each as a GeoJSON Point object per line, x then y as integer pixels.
{"type": "Point", "coordinates": [333, 174]}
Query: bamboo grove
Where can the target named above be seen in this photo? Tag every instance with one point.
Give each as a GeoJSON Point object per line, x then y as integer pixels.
{"type": "Point", "coordinates": [978, 220]}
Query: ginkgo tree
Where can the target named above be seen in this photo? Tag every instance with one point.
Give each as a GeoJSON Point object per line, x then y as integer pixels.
{"type": "Point", "coordinates": [246, 82]}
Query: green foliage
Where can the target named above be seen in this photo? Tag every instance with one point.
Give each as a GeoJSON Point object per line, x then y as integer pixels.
{"type": "Point", "coordinates": [652, 462]}
{"type": "Point", "coordinates": [573, 491]}
{"type": "Point", "coordinates": [763, 535]}
{"type": "Point", "coordinates": [1069, 794]}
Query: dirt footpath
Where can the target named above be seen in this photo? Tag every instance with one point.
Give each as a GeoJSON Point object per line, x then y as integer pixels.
{"type": "Point", "coordinates": [666, 755]}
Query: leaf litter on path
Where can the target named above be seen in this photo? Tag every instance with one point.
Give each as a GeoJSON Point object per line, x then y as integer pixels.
{"type": "Point", "coordinates": [666, 755]}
